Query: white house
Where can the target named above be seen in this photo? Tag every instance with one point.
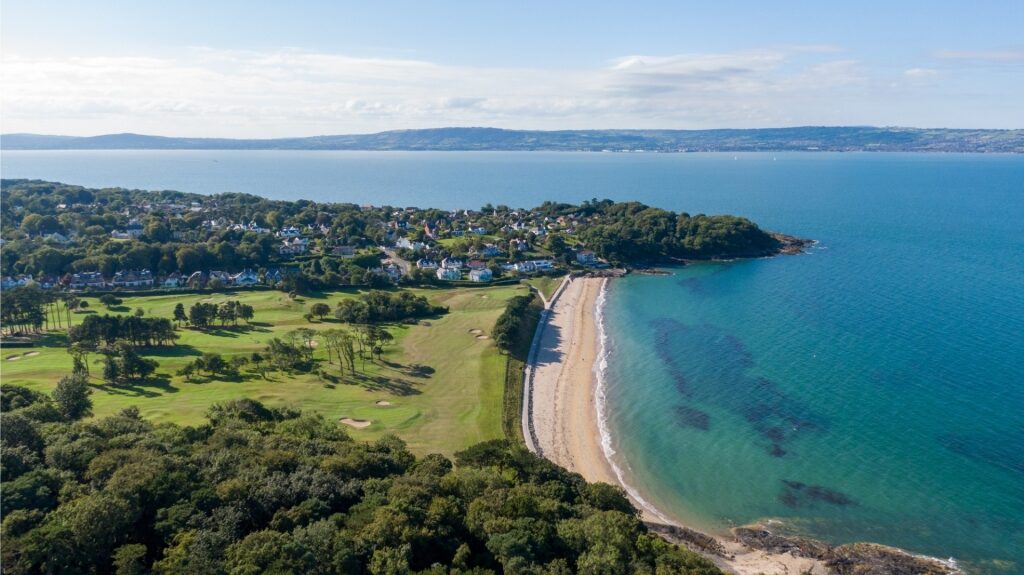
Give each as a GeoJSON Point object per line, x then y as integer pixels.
{"type": "Point", "coordinates": [393, 271]}
{"type": "Point", "coordinates": [245, 278]}
{"type": "Point", "coordinates": [9, 282]}
{"type": "Point", "coordinates": [425, 264]}
{"type": "Point", "coordinates": [406, 243]}
{"type": "Point", "coordinates": [451, 263]}
{"type": "Point", "coordinates": [171, 281]}
{"type": "Point", "coordinates": [344, 251]}
{"type": "Point", "coordinates": [490, 250]}
{"type": "Point", "coordinates": [289, 232]}
{"type": "Point", "coordinates": [87, 280]}
{"type": "Point", "coordinates": [133, 278]}
{"type": "Point", "coordinates": [293, 246]}
{"type": "Point", "coordinates": [483, 275]}
{"type": "Point", "coordinates": [526, 267]}
{"type": "Point", "coordinates": [518, 245]}
{"type": "Point", "coordinates": [449, 274]}
{"type": "Point", "coordinates": [586, 257]}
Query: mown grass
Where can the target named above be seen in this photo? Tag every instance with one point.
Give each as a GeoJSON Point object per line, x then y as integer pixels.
{"type": "Point", "coordinates": [444, 383]}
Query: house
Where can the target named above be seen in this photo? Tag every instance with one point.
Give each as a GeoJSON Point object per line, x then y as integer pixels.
{"type": "Point", "coordinates": [426, 264]}
{"type": "Point", "coordinates": [539, 231]}
{"type": "Point", "coordinates": [293, 246]}
{"type": "Point", "coordinates": [47, 282]}
{"type": "Point", "coordinates": [289, 232]}
{"type": "Point", "coordinates": [84, 280]}
{"type": "Point", "coordinates": [343, 251]}
{"type": "Point", "coordinates": [430, 231]}
{"type": "Point", "coordinates": [449, 274]}
{"type": "Point", "coordinates": [477, 230]}
{"type": "Point", "coordinates": [586, 257]}
{"type": "Point", "coordinates": [245, 278]}
{"type": "Point", "coordinates": [518, 245]}
{"type": "Point", "coordinates": [406, 243]}
{"type": "Point", "coordinates": [544, 265]}
{"type": "Point", "coordinates": [394, 272]}
{"type": "Point", "coordinates": [458, 233]}
{"type": "Point", "coordinates": [171, 281]}
{"type": "Point", "coordinates": [451, 263]}
{"type": "Point", "coordinates": [9, 282]}
{"type": "Point", "coordinates": [476, 265]}
{"type": "Point", "coordinates": [133, 279]}
{"type": "Point", "coordinates": [526, 267]}
{"type": "Point", "coordinates": [483, 275]}
{"type": "Point", "coordinates": [57, 237]}
{"type": "Point", "coordinates": [197, 279]}
{"type": "Point", "coordinates": [490, 251]}
{"type": "Point", "coordinates": [223, 277]}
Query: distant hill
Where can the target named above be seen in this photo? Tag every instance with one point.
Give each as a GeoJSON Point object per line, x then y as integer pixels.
{"type": "Point", "coordinates": [845, 139]}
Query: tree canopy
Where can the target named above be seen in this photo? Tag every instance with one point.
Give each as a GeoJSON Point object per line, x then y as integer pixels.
{"type": "Point", "coordinates": [261, 490]}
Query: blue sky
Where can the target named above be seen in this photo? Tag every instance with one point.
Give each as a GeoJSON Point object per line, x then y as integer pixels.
{"type": "Point", "coordinates": [265, 69]}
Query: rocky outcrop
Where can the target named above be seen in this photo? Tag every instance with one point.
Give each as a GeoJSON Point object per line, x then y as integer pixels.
{"type": "Point", "coordinates": [849, 559]}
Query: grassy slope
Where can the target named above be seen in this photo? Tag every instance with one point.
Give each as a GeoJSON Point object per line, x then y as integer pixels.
{"type": "Point", "coordinates": [445, 385]}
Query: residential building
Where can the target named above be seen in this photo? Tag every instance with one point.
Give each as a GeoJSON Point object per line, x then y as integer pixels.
{"type": "Point", "coordinates": [344, 251]}
{"type": "Point", "coordinates": [172, 281]}
{"type": "Point", "coordinates": [449, 274]}
{"type": "Point", "coordinates": [476, 264]}
{"type": "Point", "coordinates": [132, 279]}
{"type": "Point", "coordinates": [289, 232]}
{"type": "Point", "coordinates": [85, 280]}
{"type": "Point", "coordinates": [293, 246]}
{"type": "Point", "coordinates": [451, 263]}
{"type": "Point", "coordinates": [426, 264]}
{"type": "Point", "coordinates": [483, 275]}
{"type": "Point", "coordinates": [586, 257]}
{"type": "Point", "coordinates": [245, 278]}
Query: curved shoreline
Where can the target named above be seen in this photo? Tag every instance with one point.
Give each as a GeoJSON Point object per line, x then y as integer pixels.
{"type": "Point", "coordinates": [564, 417]}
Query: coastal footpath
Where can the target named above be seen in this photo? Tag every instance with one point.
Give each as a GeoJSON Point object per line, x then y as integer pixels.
{"type": "Point", "coordinates": [562, 423]}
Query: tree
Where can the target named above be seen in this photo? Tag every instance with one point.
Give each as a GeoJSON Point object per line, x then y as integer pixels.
{"type": "Point", "coordinates": [111, 370]}
{"type": "Point", "coordinates": [139, 312]}
{"type": "Point", "coordinates": [320, 309]}
{"type": "Point", "coordinates": [72, 396]}
{"type": "Point", "coordinates": [179, 313]}
{"type": "Point", "coordinates": [110, 300]}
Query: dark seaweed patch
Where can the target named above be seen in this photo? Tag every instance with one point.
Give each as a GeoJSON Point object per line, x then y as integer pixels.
{"type": "Point", "coordinates": [1005, 451]}
{"type": "Point", "coordinates": [710, 366]}
{"type": "Point", "coordinates": [690, 417]}
{"type": "Point", "coordinates": [798, 494]}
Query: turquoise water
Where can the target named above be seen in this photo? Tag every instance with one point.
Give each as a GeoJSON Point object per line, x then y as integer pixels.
{"type": "Point", "coordinates": [881, 375]}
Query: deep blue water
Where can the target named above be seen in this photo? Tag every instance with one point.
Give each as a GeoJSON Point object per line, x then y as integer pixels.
{"type": "Point", "coordinates": [872, 389]}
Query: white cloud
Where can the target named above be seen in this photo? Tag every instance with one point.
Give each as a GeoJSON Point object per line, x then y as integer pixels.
{"type": "Point", "coordinates": [1006, 56]}
{"type": "Point", "coordinates": [920, 73]}
{"type": "Point", "coordinates": [205, 92]}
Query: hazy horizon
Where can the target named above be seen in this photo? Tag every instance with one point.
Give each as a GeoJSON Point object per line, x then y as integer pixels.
{"type": "Point", "coordinates": [242, 70]}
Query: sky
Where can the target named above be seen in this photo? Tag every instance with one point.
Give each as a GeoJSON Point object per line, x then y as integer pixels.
{"type": "Point", "coordinates": [261, 69]}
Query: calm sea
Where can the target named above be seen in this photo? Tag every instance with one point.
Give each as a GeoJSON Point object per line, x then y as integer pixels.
{"type": "Point", "coordinates": [872, 389]}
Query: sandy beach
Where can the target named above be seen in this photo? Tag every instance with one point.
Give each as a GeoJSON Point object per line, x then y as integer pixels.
{"type": "Point", "coordinates": [564, 416]}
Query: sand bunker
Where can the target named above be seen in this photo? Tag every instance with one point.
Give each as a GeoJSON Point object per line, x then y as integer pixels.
{"type": "Point", "coordinates": [476, 331]}
{"type": "Point", "coordinates": [383, 403]}
{"type": "Point", "coordinates": [483, 337]}
{"type": "Point", "coordinates": [357, 423]}
{"type": "Point", "coordinates": [31, 354]}
{"type": "Point", "coordinates": [13, 357]}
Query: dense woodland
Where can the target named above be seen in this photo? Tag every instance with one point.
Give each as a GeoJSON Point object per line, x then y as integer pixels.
{"type": "Point", "coordinates": [260, 490]}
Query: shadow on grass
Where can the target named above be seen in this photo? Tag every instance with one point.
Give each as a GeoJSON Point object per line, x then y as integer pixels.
{"type": "Point", "coordinates": [179, 350]}
{"type": "Point", "coordinates": [154, 386]}
{"type": "Point", "coordinates": [393, 386]}
{"type": "Point", "coordinates": [412, 370]}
